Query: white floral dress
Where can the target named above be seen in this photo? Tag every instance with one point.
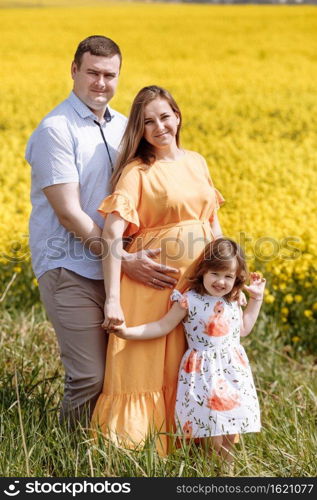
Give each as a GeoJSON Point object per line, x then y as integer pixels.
{"type": "Point", "coordinates": [215, 393]}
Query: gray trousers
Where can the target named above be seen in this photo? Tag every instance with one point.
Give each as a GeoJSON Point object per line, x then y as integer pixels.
{"type": "Point", "coordinates": [74, 305]}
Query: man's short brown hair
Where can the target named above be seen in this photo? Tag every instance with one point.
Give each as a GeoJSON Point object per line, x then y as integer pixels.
{"type": "Point", "coordinates": [97, 45]}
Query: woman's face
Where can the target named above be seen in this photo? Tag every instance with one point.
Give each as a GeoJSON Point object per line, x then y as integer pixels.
{"type": "Point", "coordinates": [160, 124]}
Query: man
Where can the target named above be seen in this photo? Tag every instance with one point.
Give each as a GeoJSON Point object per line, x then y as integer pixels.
{"type": "Point", "coordinates": [72, 153]}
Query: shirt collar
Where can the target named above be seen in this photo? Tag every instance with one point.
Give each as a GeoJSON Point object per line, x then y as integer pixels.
{"type": "Point", "coordinates": [83, 110]}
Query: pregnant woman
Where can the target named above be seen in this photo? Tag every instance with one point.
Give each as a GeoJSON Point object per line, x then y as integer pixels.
{"type": "Point", "coordinates": [163, 198]}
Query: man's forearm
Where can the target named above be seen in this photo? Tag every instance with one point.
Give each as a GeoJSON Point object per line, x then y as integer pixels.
{"type": "Point", "coordinates": [83, 227]}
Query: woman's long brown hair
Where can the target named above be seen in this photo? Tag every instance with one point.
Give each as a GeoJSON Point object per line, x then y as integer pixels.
{"type": "Point", "coordinates": [133, 145]}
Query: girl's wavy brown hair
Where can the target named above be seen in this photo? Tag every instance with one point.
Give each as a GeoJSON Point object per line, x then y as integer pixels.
{"type": "Point", "coordinates": [218, 256]}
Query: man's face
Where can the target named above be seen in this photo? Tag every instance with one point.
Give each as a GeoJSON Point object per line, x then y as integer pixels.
{"type": "Point", "coordinates": [96, 80]}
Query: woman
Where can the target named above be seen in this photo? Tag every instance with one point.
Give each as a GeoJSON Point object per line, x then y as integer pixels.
{"type": "Point", "coordinates": [163, 198]}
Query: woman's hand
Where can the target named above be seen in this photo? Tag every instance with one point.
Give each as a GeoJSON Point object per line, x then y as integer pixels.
{"type": "Point", "coordinates": [113, 314]}
{"type": "Point", "coordinates": [256, 287]}
{"type": "Point", "coordinates": [120, 330]}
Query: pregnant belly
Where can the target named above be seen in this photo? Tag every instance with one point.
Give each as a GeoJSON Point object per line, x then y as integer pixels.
{"type": "Point", "coordinates": [180, 243]}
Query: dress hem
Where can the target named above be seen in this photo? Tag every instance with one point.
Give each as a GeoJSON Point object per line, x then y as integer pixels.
{"type": "Point", "coordinates": [233, 433]}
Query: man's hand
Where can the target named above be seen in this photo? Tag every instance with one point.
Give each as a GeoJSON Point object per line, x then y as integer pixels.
{"type": "Point", "coordinates": [141, 267]}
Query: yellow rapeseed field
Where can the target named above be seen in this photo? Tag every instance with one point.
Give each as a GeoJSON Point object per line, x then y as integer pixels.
{"type": "Point", "coordinates": [245, 79]}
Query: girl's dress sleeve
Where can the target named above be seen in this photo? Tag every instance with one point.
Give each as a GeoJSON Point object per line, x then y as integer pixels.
{"type": "Point", "coordinates": [182, 299]}
{"type": "Point", "coordinates": [125, 199]}
{"type": "Point", "coordinates": [218, 198]}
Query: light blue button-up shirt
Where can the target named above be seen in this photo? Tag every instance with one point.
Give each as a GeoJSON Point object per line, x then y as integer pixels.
{"type": "Point", "coordinates": [67, 146]}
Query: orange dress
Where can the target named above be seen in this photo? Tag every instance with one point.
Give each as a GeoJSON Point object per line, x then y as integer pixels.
{"type": "Point", "coordinates": [168, 205]}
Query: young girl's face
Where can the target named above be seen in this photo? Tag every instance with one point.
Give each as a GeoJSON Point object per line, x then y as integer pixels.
{"type": "Point", "coordinates": [220, 282]}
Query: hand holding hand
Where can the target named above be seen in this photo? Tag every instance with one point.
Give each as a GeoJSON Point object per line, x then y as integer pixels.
{"type": "Point", "coordinates": [256, 287]}
{"type": "Point", "coordinates": [113, 314]}
{"type": "Point", "coordinates": [120, 330]}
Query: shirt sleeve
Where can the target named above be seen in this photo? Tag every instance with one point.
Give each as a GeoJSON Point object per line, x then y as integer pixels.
{"type": "Point", "coordinates": [125, 199]}
{"type": "Point", "coordinates": [51, 155]}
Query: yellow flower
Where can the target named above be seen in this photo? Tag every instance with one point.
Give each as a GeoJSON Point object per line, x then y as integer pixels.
{"type": "Point", "coordinates": [288, 298]}
{"type": "Point", "coordinates": [298, 298]}
{"type": "Point", "coordinates": [238, 163]}
{"type": "Point", "coordinates": [34, 282]}
{"type": "Point", "coordinates": [284, 311]}
{"type": "Point", "coordinates": [308, 313]}
{"type": "Point", "coordinates": [295, 339]}
{"type": "Point", "coordinates": [315, 306]}
{"type": "Point", "coordinates": [269, 299]}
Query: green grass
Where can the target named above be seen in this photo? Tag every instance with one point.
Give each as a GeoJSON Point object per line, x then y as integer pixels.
{"type": "Point", "coordinates": [34, 444]}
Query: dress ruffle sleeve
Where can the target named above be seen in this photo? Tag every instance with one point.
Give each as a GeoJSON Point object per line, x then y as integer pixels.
{"type": "Point", "coordinates": [219, 199]}
{"type": "Point", "coordinates": [123, 205]}
{"type": "Point", "coordinates": [125, 199]}
{"type": "Point", "coordinates": [176, 296]}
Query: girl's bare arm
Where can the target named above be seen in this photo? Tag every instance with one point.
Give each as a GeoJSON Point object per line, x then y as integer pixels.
{"type": "Point", "coordinates": [251, 312]}
{"type": "Point", "coordinates": [153, 330]}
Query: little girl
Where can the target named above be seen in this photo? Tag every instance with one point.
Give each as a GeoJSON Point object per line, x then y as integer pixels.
{"type": "Point", "coordinates": [216, 397]}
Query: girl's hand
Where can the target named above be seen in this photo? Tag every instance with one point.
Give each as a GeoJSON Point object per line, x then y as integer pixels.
{"type": "Point", "coordinates": [120, 330]}
{"type": "Point", "coordinates": [256, 287]}
{"type": "Point", "coordinates": [113, 315]}
{"type": "Point", "coordinates": [242, 300]}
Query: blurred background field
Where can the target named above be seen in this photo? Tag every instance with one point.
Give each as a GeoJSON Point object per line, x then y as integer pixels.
{"type": "Point", "coordinates": [245, 79]}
